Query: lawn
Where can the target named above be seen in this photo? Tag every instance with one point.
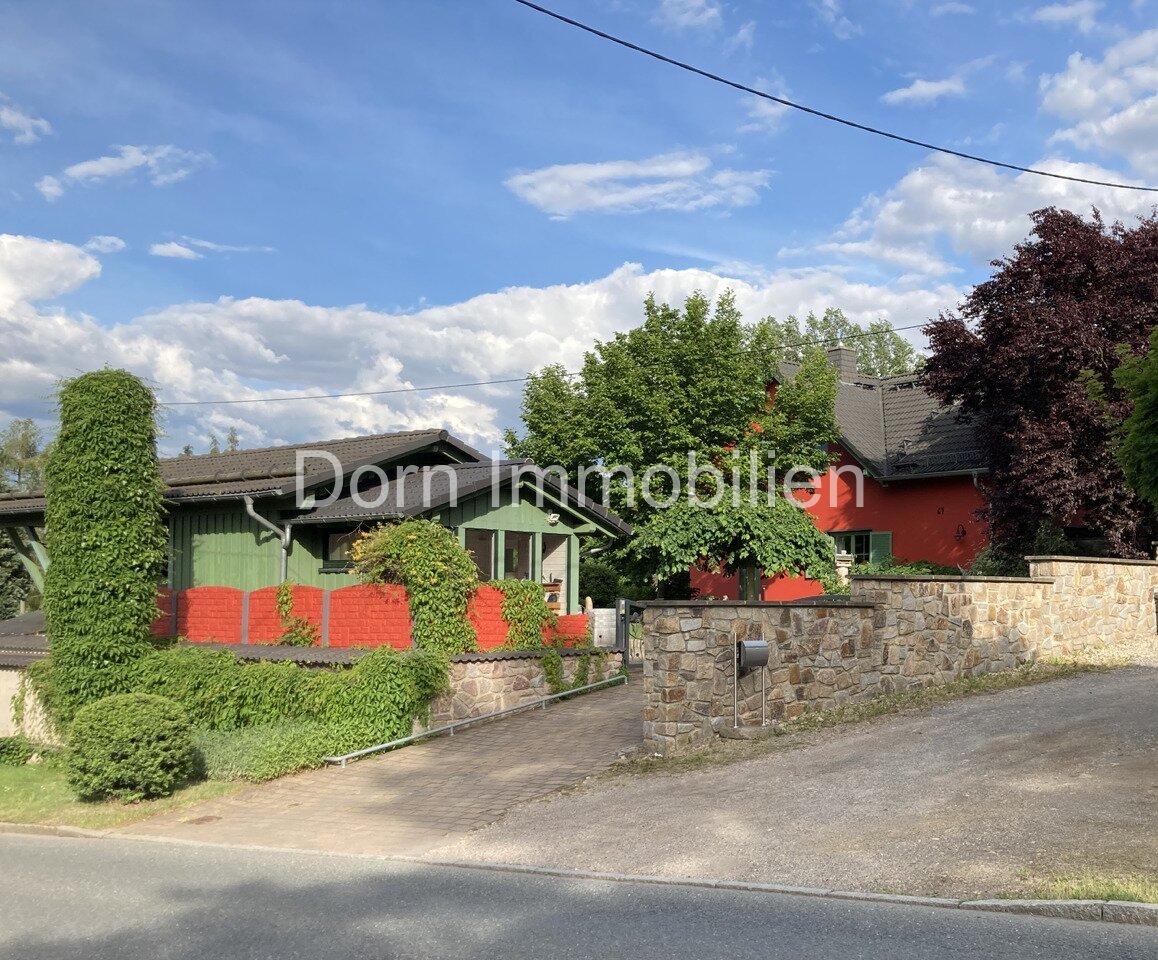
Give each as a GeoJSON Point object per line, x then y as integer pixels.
{"type": "Point", "coordinates": [39, 793]}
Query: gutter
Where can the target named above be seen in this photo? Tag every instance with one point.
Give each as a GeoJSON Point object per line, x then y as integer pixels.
{"type": "Point", "coordinates": [285, 536]}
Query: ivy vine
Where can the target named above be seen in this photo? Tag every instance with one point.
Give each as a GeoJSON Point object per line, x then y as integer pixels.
{"type": "Point", "coordinates": [295, 631]}
{"type": "Point", "coordinates": [526, 612]}
{"type": "Point", "coordinates": [439, 576]}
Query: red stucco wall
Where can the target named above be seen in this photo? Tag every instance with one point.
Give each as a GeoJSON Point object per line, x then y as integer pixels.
{"type": "Point", "coordinates": [922, 515]}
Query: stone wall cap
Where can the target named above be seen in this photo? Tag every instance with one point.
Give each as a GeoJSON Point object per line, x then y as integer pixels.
{"type": "Point", "coordinates": [535, 654]}
{"type": "Point", "coordinates": [951, 579]}
{"type": "Point", "coordinates": [1117, 561]}
{"type": "Point", "coordinates": [830, 601]}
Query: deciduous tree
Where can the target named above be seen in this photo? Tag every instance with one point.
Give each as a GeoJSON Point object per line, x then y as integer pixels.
{"type": "Point", "coordinates": [1031, 358]}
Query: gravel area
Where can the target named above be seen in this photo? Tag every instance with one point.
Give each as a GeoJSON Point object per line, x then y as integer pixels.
{"type": "Point", "coordinates": [961, 800]}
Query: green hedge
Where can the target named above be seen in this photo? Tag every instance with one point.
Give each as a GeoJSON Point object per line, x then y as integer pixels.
{"type": "Point", "coordinates": [376, 700]}
{"type": "Point", "coordinates": [131, 746]}
{"type": "Point", "coordinates": [264, 753]}
{"type": "Point", "coordinates": [14, 751]}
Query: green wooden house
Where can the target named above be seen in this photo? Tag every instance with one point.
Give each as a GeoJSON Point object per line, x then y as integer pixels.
{"type": "Point", "coordinates": [253, 518]}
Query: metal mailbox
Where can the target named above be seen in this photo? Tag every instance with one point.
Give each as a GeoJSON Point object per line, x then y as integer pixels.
{"type": "Point", "coordinates": [751, 655]}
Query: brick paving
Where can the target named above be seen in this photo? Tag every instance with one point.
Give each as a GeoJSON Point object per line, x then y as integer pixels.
{"type": "Point", "coordinates": [425, 795]}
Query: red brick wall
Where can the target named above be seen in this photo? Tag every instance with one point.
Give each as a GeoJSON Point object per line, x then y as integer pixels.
{"type": "Point", "coordinates": [369, 616]}
{"type": "Point", "coordinates": [210, 614]}
{"type": "Point", "coordinates": [264, 622]}
{"type": "Point", "coordinates": [486, 615]}
{"type": "Point", "coordinates": [362, 616]}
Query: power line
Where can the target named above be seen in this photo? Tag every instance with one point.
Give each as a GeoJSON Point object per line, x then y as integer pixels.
{"type": "Point", "coordinates": [488, 383]}
{"type": "Point", "coordinates": [820, 113]}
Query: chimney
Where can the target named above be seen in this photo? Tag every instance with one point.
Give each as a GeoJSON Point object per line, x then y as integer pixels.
{"type": "Point", "coordinates": [844, 360]}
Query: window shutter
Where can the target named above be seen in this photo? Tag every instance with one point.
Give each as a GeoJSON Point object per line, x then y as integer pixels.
{"type": "Point", "coordinates": [880, 546]}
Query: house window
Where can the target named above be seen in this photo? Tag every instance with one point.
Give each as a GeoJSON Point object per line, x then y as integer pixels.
{"type": "Point", "coordinates": [856, 542]}
{"type": "Point", "coordinates": [481, 544]}
{"type": "Point", "coordinates": [518, 554]}
{"type": "Point", "coordinates": [336, 549]}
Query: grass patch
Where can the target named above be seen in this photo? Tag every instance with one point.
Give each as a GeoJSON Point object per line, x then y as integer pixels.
{"type": "Point", "coordinates": [264, 753]}
{"type": "Point", "coordinates": [720, 751]}
{"type": "Point", "coordinates": [1088, 885]}
{"type": "Point", "coordinates": [39, 793]}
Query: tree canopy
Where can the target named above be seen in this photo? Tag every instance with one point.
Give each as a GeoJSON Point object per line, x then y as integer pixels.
{"type": "Point", "coordinates": [1031, 359]}
{"type": "Point", "coordinates": [691, 382]}
{"type": "Point", "coordinates": [880, 350]}
{"type": "Point", "coordinates": [1138, 451]}
{"type": "Point", "coordinates": [22, 460]}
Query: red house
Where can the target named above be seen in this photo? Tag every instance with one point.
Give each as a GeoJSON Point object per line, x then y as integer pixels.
{"type": "Point", "coordinates": [905, 484]}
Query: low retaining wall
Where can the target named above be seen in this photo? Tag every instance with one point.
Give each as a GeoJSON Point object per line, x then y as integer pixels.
{"type": "Point", "coordinates": [354, 616]}
{"type": "Point", "coordinates": [890, 634]}
{"type": "Point", "coordinates": [482, 684]}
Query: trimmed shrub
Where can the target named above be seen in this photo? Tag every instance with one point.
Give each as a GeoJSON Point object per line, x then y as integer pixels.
{"type": "Point", "coordinates": [14, 751]}
{"type": "Point", "coordinates": [375, 700]}
{"type": "Point", "coordinates": [131, 746]}
{"type": "Point", "coordinates": [600, 581]}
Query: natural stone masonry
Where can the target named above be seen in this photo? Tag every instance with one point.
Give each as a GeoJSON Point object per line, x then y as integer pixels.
{"type": "Point", "coordinates": [482, 684]}
{"type": "Point", "coordinates": [890, 634]}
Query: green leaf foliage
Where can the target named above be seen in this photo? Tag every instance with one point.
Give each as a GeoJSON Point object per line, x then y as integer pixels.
{"type": "Point", "coordinates": [526, 612]}
{"type": "Point", "coordinates": [438, 573]}
{"type": "Point", "coordinates": [295, 631]}
{"type": "Point", "coordinates": [880, 350]}
{"type": "Point", "coordinates": [375, 700]}
{"type": "Point", "coordinates": [129, 746]}
{"type": "Point", "coordinates": [1138, 446]}
{"type": "Point", "coordinates": [105, 534]}
{"type": "Point", "coordinates": [15, 751]}
{"type": "Point", "coordinates": [600, 581]}
{"type": "Point", "coordinates": [265, 753]}
{"type": "Point", "coordinates": [690, 381]}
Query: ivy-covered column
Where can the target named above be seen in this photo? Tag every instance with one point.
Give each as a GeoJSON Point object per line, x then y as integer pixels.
{"type": "Point", "coordinates": [106, 536]}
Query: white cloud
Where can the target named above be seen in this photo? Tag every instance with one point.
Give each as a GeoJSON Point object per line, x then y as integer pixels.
{"type": "Point", "coordinates": [256, 348]}
{"type": "Point", "coordinates": [32, 269]}
{"type": "Point", "coordinates": [1081, 14]}
{"type": "Point", "coordinates": [225, 247]}
{"type": "Point", "coordinates": [689, 14]}
{"type": "Point", "coordinates": [744, 38]}
{"type": "Point", "coordinates": [671, 181]}
{"type": "Point", "coordinates": [104, 244]}
{"type": "Point", "coordinates": [24, 127]}
{"type": "Point", "coordinates": [175, 250]}
{"type": "Point", "coordinates": [926, 91]}
{"type": "Point", "coordinates": [1112, 104]}
{"type": "Point", "coordinates": [977, 211]}
{"type": "Point", "coordinates": [832, 14]}
{"type": "Point", "coordinates": [163, 165]}
{"type": "Point", "coordinates": [766, 116]}
{"type": "Point", "coordinates": [945, 9]}
{"type": "Point", "coordinates": [50, 188]}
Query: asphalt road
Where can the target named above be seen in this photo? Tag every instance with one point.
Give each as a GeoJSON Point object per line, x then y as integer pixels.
{"type": "Point", "coordinates": [124, 900]}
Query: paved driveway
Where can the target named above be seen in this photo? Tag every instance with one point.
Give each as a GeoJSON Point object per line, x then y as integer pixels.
{"type": "Point", "coordinates": [956, 801]}
{"type": "Point", "coordinates": [409, 800]}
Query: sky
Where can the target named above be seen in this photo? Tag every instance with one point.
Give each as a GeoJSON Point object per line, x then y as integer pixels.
{"type": "Point", "coordinates": [249, 200]}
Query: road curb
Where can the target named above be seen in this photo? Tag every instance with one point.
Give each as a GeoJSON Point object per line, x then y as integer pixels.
{"type": "Point", "coordinates": [1108, 911]}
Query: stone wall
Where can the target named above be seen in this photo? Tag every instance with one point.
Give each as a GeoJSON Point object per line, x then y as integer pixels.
{"type": "Point", "coordinates": [483, 683]}
{"type": "Point", "coordinates": [9, 686]}
{"type": "Point", "coordinates": [890, 634]}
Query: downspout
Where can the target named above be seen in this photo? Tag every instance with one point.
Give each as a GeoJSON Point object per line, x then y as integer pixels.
{"type": "Point", "coordinates": [283, 535]}
{"type": "Point", "coordinates": [976, 482]}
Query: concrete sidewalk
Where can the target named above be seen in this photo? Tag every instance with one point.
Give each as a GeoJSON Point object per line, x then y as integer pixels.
{"type": "Point", "coordinates": [411, 800]}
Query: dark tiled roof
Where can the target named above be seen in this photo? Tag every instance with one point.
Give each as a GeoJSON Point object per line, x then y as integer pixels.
{"type": "Point", "coordinates": [267, 470]}
{"type": "Point", "coordinates": [23, 640]}
{"type": "Point", "coordinates": [440, 486]}
{"type": "Point", "coordinates": [896, 429]}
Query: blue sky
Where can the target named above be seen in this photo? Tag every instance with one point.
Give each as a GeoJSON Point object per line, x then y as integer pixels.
{"type": "Point", "coordinates": [260, 199]}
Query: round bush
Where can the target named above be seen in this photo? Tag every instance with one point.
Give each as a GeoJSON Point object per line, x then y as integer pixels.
{"type": "Point", "coordinates": [131, 746]}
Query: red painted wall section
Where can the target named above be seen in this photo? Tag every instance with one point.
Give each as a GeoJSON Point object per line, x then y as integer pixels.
{"type": "Point", "coordinates": [210, 614]}
{"type": "Point", "coordinates": [924, 517]}
{"type": "Point", "coordinates": [360, 616]}
{"type": "Point", "coordinates": [486, 615]}
{"type": "Point", "coordinates": [264, 622]}
{"type": "Point", "coordinates": [163, 625]}
{"type": "Point", "coordinates": [368, 616]}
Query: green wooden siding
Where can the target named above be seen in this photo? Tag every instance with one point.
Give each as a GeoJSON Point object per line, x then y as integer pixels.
{"type": "Point", "coordinates": [222, 546]}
